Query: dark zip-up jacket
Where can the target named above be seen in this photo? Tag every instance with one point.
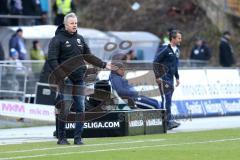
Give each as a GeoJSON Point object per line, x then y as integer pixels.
{"type": "Point", "coordinates": [226, 56]}
{"type": "Point", "coordinates": [167, 58]}
{"type": "Point", "coordinates": [66, 54]}
{"type": "Point", "coordinates": [200, 53]}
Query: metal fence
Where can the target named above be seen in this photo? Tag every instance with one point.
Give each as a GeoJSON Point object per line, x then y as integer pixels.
{"type": "Point", "coordinates": [18, 78]}
{"type": "Point", "coordinates": [13, 79]}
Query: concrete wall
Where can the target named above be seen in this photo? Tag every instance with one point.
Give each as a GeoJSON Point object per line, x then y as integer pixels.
{"type": "Point", "coordinates": [215, 10]}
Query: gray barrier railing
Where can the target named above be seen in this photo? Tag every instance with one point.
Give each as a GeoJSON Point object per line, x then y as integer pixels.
{"type": "Point", "coordinates": [27, 77]}
{"type": "Point", "coordinates": [13, 80]}
{"type": "Point", "coordinates": [8, 16]}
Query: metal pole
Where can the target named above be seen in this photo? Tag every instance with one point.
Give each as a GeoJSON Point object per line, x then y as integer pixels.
{"type": "Point", "coordinates": [50, 17]}
{"type": "Point", "coordinates": [25, 83]}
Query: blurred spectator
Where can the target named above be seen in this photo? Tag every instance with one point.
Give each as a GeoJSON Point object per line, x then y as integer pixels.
{"type": "Point", "coordinates": [226, 54]}
{"type": "Point", "coordinates": [45, 9]}
{"type": "Point", "coordinates": [15, 57]}
{"type": "Point", "coordinates": [15, 9]}
{"type": "Point", "coordinates": [4, 10]}
{"type": "Point", "coordinates": [166, 40]}
{"type": "Point", "coordinates": [36, 53]}
{"type": "Point", "coordinates": [2, 55]}
{"type": "Point", "coordinates": [200, 51]}
{"type": "Point", "coordinates": [61, 8]}
{"type": "Point", "coordinates": [31, 8]}
{"type": "Point", "coordinates": [14, 54]}
{"type": "Point", "coordinates": [131, 55]}
{"type": "Point", "coordinates": [16, 42]}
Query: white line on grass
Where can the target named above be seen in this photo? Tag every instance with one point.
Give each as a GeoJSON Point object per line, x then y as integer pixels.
{"type": "Point", "coordinates": [120, 149]}
{"type": "Point", "coordinates": [88, 145]}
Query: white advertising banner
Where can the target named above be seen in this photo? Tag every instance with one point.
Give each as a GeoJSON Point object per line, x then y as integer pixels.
{"type": "Point", "coordinates": [223, 83]}
{"type": "Point", "coordinates": [27, 110]}
{"type": "Point", "coordinates": [208, 92]}
{"type": "Point", "coordinates": [193, 85]}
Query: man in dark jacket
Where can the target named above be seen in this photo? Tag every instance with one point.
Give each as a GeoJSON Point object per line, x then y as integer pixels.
{"type": "Point", "coordinates": [123, 89]}
{"type": "Point", "coordinates": [66, 54]}
{"type": "Point", "coordinates": [165, 68]}
{"type": "Point", "coordinates": [226, 55]}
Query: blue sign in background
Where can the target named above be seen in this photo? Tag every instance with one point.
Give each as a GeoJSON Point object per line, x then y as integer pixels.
{"type": "Point", "coordinates": [211, 107]}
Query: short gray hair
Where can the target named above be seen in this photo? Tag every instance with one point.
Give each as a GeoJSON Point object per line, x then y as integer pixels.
{"type": "Point", "coordinates": [69, 15]}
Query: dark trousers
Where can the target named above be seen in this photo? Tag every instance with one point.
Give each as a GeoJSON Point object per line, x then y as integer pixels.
{"type": "Point", "coordinates": [166, 90]}
{"type": "Point", "coordinates": [67, 100]}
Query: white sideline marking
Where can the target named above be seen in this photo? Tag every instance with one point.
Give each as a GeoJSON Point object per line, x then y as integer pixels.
{"type": "Point", "coordinates": [87, 145]}
{"type": "Point", "coordinates": [118, 149]}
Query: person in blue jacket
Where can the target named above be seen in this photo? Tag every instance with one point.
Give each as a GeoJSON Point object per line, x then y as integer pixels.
{"type": "Point", "coordinates": [165, 66]}
{"type": "Point", "coordinates": [16, 42]}
{"type": "Point", "coordinates": [124, 89]}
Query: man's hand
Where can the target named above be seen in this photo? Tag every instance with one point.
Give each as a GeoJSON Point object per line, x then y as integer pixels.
{"type": "Point", "coordinates": [111, 67]}
{"type": "Point", "coordinates": [177, 82]}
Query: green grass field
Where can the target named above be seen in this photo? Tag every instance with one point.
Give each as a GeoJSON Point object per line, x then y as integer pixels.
{"type": "Point", "coordinates": [205, 145]}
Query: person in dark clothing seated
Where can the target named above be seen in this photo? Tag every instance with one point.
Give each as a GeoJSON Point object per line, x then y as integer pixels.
{"type": "Point", "coordinates": [123, 89]}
